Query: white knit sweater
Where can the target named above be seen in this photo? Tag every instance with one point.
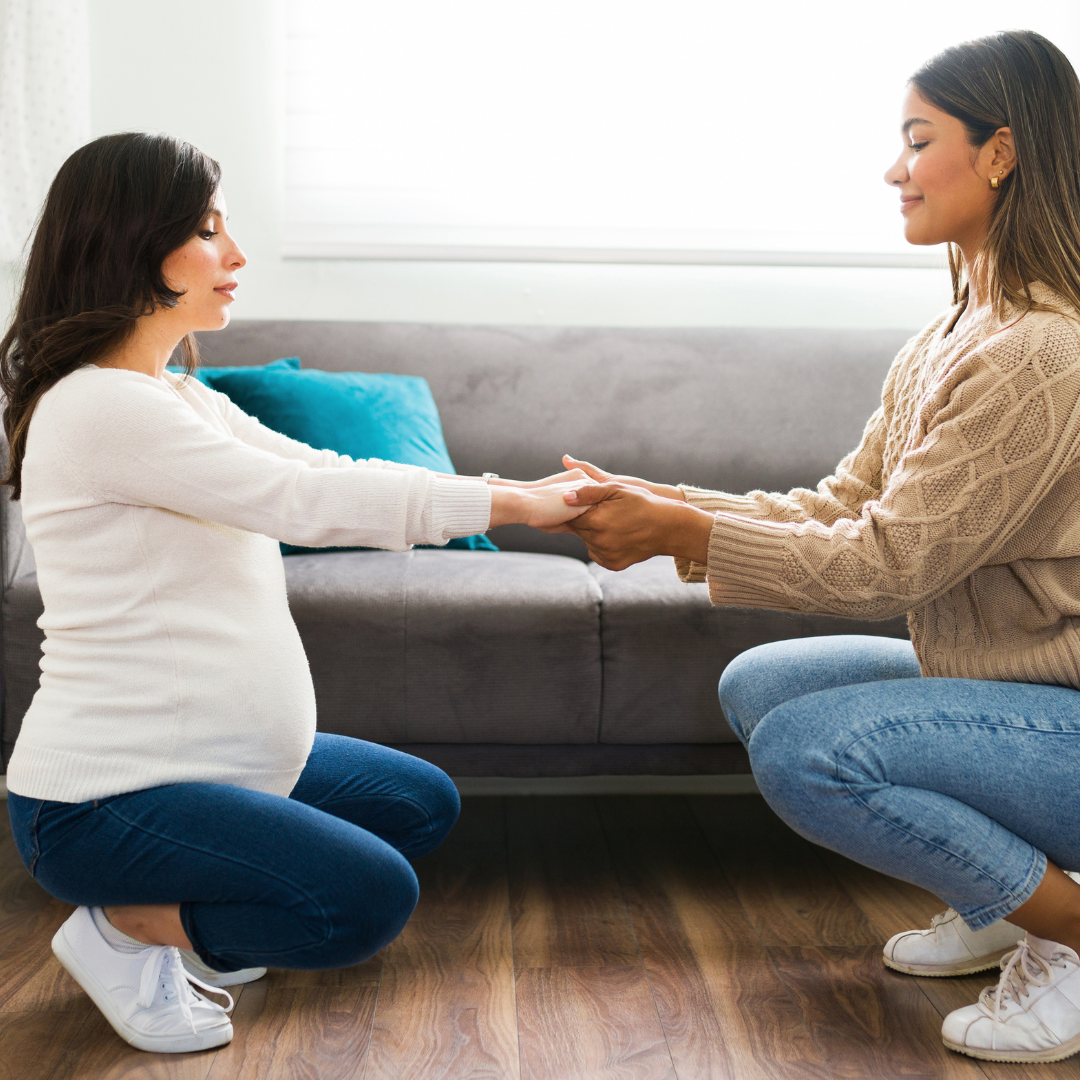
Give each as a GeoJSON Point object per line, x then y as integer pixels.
{"type": "Point", "coordinates": [154, 507]}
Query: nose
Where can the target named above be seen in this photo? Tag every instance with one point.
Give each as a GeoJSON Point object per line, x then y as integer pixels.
{"type": "Point", "coordinates": [897, 173]}
{"type": "Point", "coordinates": [236, 258]}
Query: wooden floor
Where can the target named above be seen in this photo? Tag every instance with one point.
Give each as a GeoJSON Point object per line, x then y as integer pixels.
{"type": "Point", "coordinates": [653, 937]}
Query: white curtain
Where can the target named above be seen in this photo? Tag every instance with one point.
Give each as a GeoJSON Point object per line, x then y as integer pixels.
{"type": "Point", "coordinates": [44, 106]}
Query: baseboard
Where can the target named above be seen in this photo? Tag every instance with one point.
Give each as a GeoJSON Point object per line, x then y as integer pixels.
{"type": "Point", "coordinates": [579, 760]}
{"type": "Point", "coordinates": [606, 785]}
{"type": "Point", "coordinates": [588, 785]}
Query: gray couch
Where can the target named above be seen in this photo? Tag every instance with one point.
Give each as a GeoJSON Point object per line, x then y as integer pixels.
{"type": "Point", "coordinates": [533, 662]}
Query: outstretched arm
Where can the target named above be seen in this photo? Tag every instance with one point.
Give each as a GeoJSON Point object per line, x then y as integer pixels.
{"type": "Point", "coordinates": [998, 443]}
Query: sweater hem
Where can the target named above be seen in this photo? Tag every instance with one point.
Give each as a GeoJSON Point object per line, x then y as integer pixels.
{"type": "Point", "coordinates": [68, 776]}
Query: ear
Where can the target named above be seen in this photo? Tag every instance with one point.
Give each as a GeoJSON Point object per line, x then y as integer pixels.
{"type": "Point", "coordinates": [998, 156]}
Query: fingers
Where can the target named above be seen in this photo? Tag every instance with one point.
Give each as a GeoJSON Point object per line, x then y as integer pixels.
{"type": "Point", "coordinates": [590, 494]}
{"type": "Point", "coordinates": [588, 469]}
{"type": "Point", "coordinates": [557, 478]}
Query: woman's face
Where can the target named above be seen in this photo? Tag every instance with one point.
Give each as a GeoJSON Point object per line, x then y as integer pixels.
{"type": "Point", "coordinates": [204, 270]}
{"type": "Point", "coordinates": [944, 182]}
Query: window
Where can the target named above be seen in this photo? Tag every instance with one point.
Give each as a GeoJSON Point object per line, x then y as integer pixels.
{"type": "Point", "coordinates": [612, 130]}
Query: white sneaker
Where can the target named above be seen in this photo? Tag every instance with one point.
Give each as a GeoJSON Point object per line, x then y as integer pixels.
{"type": "Point", "coordinates": [949, 947]}
{"type": "Point", "coordinates": [145, 995]}
{"type": "Point", "coordinates": [218, 979]}
{"type": "Point", "coordinates": [1033, 1014]}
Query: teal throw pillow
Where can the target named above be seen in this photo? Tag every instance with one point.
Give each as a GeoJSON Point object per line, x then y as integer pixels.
{"type": "Point", "coordinates": [210, 375]}
{"type": "Point", "coordinates": [392, 417]}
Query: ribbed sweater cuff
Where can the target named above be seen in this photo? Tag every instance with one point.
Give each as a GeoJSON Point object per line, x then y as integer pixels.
{"type": "Point", "coordinates": [458, 508]}
{"type": "Point", "coordinates": [746, 558]}
{"type": "Point", "coordinates": [689, 571]}
{"type": "Point", "coordinates": [719, 501]}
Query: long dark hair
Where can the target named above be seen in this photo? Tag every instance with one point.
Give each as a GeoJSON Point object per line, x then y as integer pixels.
{"type": "Point", "coordinates": [1018, 79]}
{"type": "Point", "coordinates": [116, 209]}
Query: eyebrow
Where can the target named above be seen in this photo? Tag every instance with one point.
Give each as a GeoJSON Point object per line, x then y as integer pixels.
{"type": "Point", "coordinates": [909, 124]}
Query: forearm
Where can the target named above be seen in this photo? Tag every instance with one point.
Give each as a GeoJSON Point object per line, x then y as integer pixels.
{"type": "Point", "coordinates": [687, 533]}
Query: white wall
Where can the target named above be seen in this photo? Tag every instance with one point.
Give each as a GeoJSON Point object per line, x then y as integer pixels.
{"type": "Point", "coordinates": [207, 71]}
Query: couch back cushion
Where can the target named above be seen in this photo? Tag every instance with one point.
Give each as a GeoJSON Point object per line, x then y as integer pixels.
{"type": "Point", "coordinates": [725, 408]}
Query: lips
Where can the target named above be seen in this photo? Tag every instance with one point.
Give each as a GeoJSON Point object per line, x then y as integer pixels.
{"type": "Point", "coordinates": [227, 290]}
{"type": "Point", "coordinates": [908, 201]}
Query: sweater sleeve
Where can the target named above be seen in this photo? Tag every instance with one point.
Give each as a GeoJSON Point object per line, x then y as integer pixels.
{"type": "Point", "coordinates": [1007, 427]}
{"type": "Point", "coordinates": [129, 439]}
{"type": "Point", "coordinates": [252, 431]}
{"type": "Point", "coordinates": [856, 480]}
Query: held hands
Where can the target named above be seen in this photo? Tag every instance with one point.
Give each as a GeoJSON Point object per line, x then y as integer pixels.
{"type": "Point", "coordinates": [628, 523]}
{"type": "Point", "coordinates": [543, 506]}
{"type": "Point", "coordinates": [622, 519]}
{"type": "Point", "coordinates": [582, 470]}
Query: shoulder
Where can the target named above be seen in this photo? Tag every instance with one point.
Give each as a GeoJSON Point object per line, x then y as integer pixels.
{"type": "Point", "coordinates": [192, 387]}
{"type": "Point", "coordinates": [1044, 342]}
{"type": "Point", "coordinates": [93, 403]}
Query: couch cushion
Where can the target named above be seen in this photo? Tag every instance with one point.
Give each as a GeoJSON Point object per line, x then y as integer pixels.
{"type": "Point", "coordinates": [665, 646]}
{"type": "Point", "coordinates": [450, 646]}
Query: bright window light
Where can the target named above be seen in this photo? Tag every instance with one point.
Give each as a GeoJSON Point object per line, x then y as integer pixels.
{"type": "Point", "coordinates": [594, 130]}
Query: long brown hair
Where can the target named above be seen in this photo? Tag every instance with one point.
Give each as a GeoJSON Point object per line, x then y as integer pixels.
{"type": "Point", "coordinates": [116, 209]}
{"type": "Point", "coordinates": [1019, 80]}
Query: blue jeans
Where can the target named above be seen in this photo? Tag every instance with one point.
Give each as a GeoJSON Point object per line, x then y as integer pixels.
{"type": "Point", "coordinates": [317, 880]}
{"type": "Point", "coordinates": [962, 786]}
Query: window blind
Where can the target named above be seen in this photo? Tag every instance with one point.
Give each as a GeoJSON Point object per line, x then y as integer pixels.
{"type": "Point", "coordinates": [589, 130]}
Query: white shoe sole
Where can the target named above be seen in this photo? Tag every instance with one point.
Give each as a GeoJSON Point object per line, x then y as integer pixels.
{"type": "Point", "coordinates": [1033, 1057]}
{"type": "Point", "coordinates": [160, 1044]}
{"type": "Point", "coordinates": [939, 971]}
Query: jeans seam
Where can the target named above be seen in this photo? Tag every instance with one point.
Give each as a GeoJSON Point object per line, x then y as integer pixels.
{"type": "Point", "coordinates": [401, 798]}
{"type": "Point", "coordinates": [239, 862]}
{"type": "Point", "coordinates": [939, 720]}
{"type": "Point", "coordinates": [1005, 907]}
{"type": "Point", "coordinates": [902, 829]}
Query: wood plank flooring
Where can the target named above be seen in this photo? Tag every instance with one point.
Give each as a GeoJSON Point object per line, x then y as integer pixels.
{"type": "Point", "coordinates": [651, 938]}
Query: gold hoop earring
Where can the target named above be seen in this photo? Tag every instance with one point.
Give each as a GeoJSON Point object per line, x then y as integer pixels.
{"type": "Point", "coordinates": [994, 182]}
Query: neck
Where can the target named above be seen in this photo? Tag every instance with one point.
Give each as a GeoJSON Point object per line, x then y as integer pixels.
{"type": "Point", "coordinates": [147, 349]}
{"type": "Point", "coordinates": [978, 287]}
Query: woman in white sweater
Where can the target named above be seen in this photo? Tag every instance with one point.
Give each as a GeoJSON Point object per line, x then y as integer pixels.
{"type": "Point", "coordinates": [168, 778]}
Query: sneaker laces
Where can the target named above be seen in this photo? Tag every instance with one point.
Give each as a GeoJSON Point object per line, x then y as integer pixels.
{"type": "Point", "coordinates": [162, 966]}
{"type": "Point", "coordinates": [1021, 968]}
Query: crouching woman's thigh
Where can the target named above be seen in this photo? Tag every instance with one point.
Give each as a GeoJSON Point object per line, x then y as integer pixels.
{"type": "Point", "coordinates": [404, 800]}
{"type": "Point", "coordinates": [762, 678]}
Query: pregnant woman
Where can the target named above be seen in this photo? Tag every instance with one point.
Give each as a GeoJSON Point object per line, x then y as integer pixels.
{"type": "Point", "coordinates": [952, 761]}
{"type": "Point", "coordinates": [168, 778]}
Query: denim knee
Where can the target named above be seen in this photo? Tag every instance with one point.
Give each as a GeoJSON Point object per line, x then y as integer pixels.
{"type": "Point", "coordinates": [361, 930]}
{"type": "Point", "coordinates": [435, 791]}
{"type": "Point", "coordinates": [793, 762]}
{"type": "Point", "coordinates": [735, 681]}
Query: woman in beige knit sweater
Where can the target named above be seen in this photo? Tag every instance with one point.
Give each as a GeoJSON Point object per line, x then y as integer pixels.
{"type": "Point", "coordinates": [951, 761]}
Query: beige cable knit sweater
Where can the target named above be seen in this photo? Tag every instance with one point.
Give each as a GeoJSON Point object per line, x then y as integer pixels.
{"type": "Point", "coordinates": [960, 506]}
